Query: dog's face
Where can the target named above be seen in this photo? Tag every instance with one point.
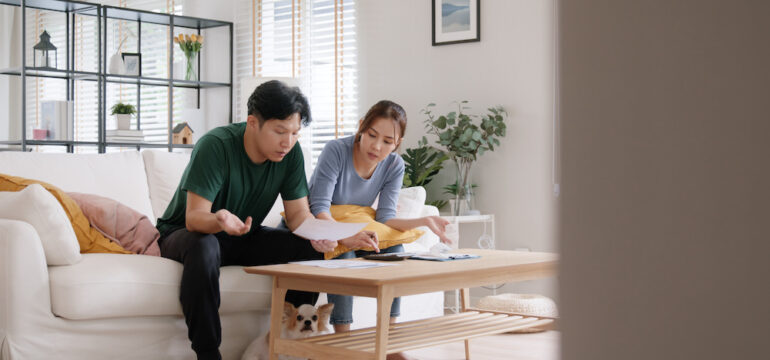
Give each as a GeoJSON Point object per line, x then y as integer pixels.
{"type": "Point", "coordinates": [306, 320]}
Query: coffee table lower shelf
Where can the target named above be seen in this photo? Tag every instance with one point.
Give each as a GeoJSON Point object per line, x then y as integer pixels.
{"type": "Point", "coordinates": [410, 335]}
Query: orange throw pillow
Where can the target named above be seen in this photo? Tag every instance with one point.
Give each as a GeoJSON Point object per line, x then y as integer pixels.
{"type": "Point", "coordinates": [90, 240]}
{"type": "Point", "coordinates": [387, 235]}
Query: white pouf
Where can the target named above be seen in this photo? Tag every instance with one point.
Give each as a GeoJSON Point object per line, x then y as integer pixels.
{"type": "Point", "coordinates": [525, 304]}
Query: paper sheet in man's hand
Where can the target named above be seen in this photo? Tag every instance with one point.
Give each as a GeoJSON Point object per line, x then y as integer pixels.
{"type": "Point", "coordinates": [316, 229]}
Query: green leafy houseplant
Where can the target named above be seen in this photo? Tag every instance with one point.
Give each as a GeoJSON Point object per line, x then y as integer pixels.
{"type": "Point", "coordinates": [123, 109]}
{"type": "Point", "coordinates": [466, 137]}
{"type": "Point", "coordinates": [422, 164]}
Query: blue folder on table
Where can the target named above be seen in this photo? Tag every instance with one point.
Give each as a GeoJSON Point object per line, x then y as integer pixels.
{"type": "Point", "coordinates": [444, 257]}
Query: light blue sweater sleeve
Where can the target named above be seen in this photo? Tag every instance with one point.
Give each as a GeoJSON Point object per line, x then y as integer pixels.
{"type": "Point", "coordinates": [386, 207]}
{"type": "Point", "coordinates": [324, 180]}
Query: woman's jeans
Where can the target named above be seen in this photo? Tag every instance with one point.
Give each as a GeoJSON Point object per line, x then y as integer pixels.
{"type": "Point", "coordinates": [343, 304]}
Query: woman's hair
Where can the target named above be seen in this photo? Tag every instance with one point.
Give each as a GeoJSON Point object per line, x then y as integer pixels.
{"type": "Point", "coordinates": [276, 100]}
{"type": "Point", "coordinates": [383, 109]}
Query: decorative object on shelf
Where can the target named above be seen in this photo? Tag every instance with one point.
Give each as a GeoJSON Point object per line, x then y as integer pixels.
{"type": "Point", "coordinates": [132, 64]}
{"type": "Point", "coordinates": [56, 118]}
{"type": "Point", "coordinates": [39, 134]}
{"type": "Point", "coordinates": [465, 141]}
{"type": "Point", "coordinates": [44, 50]}
{"type": "Point", "coordinates": [123, 114]}
{"type": "Point", "coordinates": [457, 21]}
{"type": "Point", "coordinates": [182, 134]}
{"type": "Point", "coordinates": [190, 44]}
{"type": "Point", "coordinates": [115, 65]}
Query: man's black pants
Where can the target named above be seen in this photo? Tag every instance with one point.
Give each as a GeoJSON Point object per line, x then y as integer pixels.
{"type": "Point", "coordinates": [203, 254]}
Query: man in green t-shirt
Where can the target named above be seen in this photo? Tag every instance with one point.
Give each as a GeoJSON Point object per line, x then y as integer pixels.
{"type": "Point", "coordinates": [233, 179]}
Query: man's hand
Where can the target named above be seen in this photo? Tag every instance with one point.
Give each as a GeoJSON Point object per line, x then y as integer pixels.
{"type": "Point", "coordinates": [323, 246]}
{"type": "Point", "coordinates": [364, 239]}
{"type": "Point", "coordinates": [438, 225]}
{"type": "Point", "coordinates": [231, 224]}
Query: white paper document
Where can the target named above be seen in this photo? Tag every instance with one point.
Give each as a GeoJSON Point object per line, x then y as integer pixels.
{"type": "Point", "coordinates": [316, 229]}
{"type": "Point", "coordinates": [341, 264]}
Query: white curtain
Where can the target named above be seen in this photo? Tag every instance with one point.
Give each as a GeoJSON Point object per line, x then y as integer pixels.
{"type": "Point", "coordinates": [10, 86]}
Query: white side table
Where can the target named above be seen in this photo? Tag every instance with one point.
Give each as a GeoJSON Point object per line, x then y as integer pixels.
{"type": "Point", "coordinates": [485, 241]}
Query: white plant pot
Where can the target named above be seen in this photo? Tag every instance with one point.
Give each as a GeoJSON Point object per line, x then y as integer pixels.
{"type": "Point", "coordinates": [124, 121]}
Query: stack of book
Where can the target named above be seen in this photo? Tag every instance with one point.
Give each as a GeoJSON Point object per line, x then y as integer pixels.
{"type": "Point", "coordinates": [125, 136]}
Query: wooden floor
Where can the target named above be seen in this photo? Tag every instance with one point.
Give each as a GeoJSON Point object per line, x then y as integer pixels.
{"type": "Point", "coordinates": [539, 346]}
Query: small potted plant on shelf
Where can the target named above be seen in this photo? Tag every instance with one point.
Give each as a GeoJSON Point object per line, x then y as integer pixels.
{"type": "Point", "coordinates": [123, 114]}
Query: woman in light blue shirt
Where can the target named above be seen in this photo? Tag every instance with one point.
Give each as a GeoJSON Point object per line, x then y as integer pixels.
{"type": "Point", "coordinates": [354, 171]}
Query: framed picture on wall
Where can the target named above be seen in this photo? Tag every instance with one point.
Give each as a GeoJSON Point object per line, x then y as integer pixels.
{"type": "Point", "coordinates": [456, 21]}
{"type": "Point", "coordinates": [132, 64]}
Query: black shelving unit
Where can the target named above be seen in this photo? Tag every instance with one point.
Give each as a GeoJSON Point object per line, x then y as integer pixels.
{"type": "Point", "coordinates": [103, 13]}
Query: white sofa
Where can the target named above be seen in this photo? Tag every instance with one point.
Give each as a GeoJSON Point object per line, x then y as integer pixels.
{"type": "Point", "coordinates": [109, 306]}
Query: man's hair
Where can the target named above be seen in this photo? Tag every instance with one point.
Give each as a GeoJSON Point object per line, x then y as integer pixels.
{"type": "Point", "coordinates": [276, 100]}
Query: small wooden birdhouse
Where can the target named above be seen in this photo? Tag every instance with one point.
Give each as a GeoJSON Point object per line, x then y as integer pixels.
{"type": "Point", "coordinates": [182, 134]}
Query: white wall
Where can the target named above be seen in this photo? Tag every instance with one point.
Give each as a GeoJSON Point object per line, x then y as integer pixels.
{"type": "Point", "coordinates": [511, 66]}
{"type": "Point", "coordinates": [665, 199]}
{"type": "Point", "coordinates": [215, 66]}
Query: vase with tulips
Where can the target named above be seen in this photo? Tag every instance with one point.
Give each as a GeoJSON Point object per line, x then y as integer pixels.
{"type": "Point", "coordinates": [190, 44]}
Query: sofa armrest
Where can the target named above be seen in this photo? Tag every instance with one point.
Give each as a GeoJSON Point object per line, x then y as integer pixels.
{"type": "Point", "coordinates": [25, 296]}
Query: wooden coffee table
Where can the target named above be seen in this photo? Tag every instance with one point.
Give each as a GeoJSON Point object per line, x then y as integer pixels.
{"type": "Point", "coordinates": [409, 277]}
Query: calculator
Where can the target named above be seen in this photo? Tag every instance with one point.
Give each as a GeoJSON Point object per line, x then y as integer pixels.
{"type": "Point", "coordinates": [389, 256]}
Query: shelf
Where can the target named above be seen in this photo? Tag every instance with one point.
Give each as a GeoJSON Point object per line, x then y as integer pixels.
{"type": "Point", "coordinates": [161, 19]}
{"type": "Point", "coordinates": [53, 5]}
{"type": "Point", "coordinates": [120, 13]}
{"type": "Point", "coordinates": [62, 142]}
{"type": "Point", "coordinates": [148, 145]}
{"type": "Point", "coordinates": [420, 333]}
{"type": "Point", "coordinates": [52, 73]}
{"type": "Point", "coordinates": [103, 13]}
{"type": "Point", "coordinates": [143, 80]}
{"type": "Point", "coordinates": [110, 78]}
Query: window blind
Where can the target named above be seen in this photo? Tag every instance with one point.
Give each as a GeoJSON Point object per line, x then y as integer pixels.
{"type": "Point", "coordinates": [313, 41]}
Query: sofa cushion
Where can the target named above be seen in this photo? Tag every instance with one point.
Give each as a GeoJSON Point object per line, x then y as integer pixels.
{"type": "Point", "coordinates": [108, 286]}
{"type": "Point", "coordinates": [118, 176]}
{"type": "Point", "coordinates": [164, 171]}
{"type": "Point", "coordinates": [36, 206]}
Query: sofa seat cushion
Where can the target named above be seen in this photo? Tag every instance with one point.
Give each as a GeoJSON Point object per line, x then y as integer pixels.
{"type": "Point", "coordinates": [110, 285]}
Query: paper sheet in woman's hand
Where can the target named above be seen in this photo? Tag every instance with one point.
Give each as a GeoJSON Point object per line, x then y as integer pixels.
{"type": "Point", "coordinates": [316, 229]}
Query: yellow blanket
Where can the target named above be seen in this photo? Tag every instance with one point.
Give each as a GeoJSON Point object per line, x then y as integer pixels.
{"type": "Point", "coordinates": [90, 240]}
{"type": "Point", "coordinates": [387, 235]}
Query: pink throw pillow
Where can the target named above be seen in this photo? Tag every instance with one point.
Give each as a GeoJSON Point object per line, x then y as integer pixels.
{"type": "Point", "coordinates": [119, 223]}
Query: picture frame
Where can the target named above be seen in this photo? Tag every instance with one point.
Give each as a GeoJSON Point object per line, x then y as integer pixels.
{"type": "Point", "coordinates": [456, 21]}
{"type": "Point", "coordinates": [132, 64]}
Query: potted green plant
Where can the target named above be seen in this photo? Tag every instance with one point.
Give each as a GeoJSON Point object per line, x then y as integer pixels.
{"type": "Point", "coordinates": [123, 114]}
{"type": "Point", "coordinates": [465, 137]}
{"type": "Point", "coordinates": [421, 164]}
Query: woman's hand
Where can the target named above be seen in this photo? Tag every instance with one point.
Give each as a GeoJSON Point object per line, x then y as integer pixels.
{"type": "Point", "coordinates": [438, 225]}
{"type": "Point", "coordinates": [231, 224]}
{"type": "Point", "coordinates": [362, 240]}
{"type": "Point", "coordinates": [323, 246]}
